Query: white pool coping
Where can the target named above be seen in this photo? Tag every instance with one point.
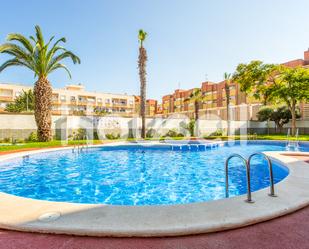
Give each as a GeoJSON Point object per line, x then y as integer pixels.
{"type": "Point", "coordinates": [23, 214]}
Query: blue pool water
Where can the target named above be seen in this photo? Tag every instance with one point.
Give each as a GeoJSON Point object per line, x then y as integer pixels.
{"type": "Point", "coordinates": [136, 175]}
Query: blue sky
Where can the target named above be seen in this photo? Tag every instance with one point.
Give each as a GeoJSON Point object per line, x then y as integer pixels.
{"type": "Point", "coordinates": [187, 39]}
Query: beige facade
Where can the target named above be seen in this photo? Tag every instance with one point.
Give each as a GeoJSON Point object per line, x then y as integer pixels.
{"type": "Point", "coordinates": [74, 99]}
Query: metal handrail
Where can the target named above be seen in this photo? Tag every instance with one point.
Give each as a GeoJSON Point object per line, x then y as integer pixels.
{"type": "Point", "coordinates": [271, 175]}
{"type": "Point", "coordinates": [249, 199]}
{"type": "Point", "coordinates": [74, 145]}
{"type": "Point", "coordinates": [86, 144]}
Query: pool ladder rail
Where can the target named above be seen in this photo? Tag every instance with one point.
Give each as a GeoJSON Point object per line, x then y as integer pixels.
{"type": "Point", "coordinates": [79, 147]}
{"type": "Point", "coordinates": [292, 144]}
{"type": "Point", "coordinates": [248, 175]}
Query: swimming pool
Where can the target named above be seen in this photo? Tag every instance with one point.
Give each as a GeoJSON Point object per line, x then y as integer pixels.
{"type": "Point", "coordinates": [136, 174]}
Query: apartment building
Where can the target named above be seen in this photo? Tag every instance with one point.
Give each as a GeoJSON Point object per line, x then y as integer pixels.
{"type": "Point", "coordinates": [214, 99]}
{"type": "Point", "coordinates": [74, 99]}
{"type": "Point", "coordinates": [151, 106]}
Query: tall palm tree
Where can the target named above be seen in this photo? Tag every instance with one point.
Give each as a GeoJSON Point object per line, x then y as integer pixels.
{"type": "Point", "coordinates": [227, 83]}
{"type": "Point", "coordinates": [142, 59]}
{"type": "Point", "coordinates": [196, 97]}
{"type": "Point", "coordinates": [41, 58]}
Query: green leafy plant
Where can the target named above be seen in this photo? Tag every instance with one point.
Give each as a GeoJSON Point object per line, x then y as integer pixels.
{"type": "Point", "coordinates": [216, 133]}
{"type": "Point", "coordinates": [196, 97]}
{"type": "Point", "coordinates": [100, 112]}
{"type": "Point", "coordinates": [173, 133]}
{"type": "Point", "coordinates": [24, 102]}
{"type": "Point", "coordinates": [275, 84]}
{"type": "Point", "coordinates": [150, 133]}
{"type": "Point", "coordinates": [112, 136]}
{"type": "Point", "coordinates": [190, 127]}
{"type": "Point", "coordinates": [33, 137]}
{"type": "Point", "coordinates": [280, 115]}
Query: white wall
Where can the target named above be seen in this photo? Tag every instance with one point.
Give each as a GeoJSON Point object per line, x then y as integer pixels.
{"type": "Point", "coordinates": [114, 124]}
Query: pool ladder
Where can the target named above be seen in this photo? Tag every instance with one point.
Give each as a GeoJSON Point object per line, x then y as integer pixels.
{"type": "Point", "coordinates": [248, 175]}
{"type": "Point", "coordinates": [79, 147]}
{"type": "Point", "coordinates": [290, 143]}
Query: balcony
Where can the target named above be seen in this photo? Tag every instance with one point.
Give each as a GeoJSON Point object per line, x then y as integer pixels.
{"type": "Point", "coordinates": [6, 98]}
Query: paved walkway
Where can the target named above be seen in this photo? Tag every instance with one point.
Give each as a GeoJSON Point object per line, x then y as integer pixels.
{"type": "Point", "coordinates": [288, 232]}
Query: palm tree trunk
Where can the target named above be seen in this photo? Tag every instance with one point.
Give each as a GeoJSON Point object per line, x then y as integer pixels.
{"type": "Point", "coordinates": [142, 74]}
{"type": "Point", "coordinates": [227, 93]}
{"type": "Point", "coordinates": [196, 109]}
{"type": "Point", "coordinates": [42, 109]}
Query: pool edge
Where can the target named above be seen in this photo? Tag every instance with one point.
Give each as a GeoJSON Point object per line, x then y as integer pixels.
{"type": "Point", "coordinates": [154, 221]}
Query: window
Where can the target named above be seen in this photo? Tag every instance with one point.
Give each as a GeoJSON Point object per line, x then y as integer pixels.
{"type": "Point", "coordinates": [107, 101]}
{"type": "Point", "coordinates": [99, 100]}
{"type": "Point", "coordinates": [73, 98]}
{"type": "Point", "coordinates": [62, 97]}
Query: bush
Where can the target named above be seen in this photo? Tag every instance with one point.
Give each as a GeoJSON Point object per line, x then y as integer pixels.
{"type": "Point", "coordinates": [150, 133]}
{"type": "Point", "coordinates": [112, 136]}
{"type": "Point", "coordinates": [81, 133]}
{"type": "Point", "coordinates": [189, 127]}
{"type": "Point", "coordinates": [173, 133]}
{"type": "Point", "coordinates": [217, 133]}
{"type": "Point", "coordinates": [6, 140]}
{"type": "Point", "coordinates": [33, 137]}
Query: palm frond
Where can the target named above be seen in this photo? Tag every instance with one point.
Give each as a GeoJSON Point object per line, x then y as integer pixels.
{"type": "Point", "coordinates": [66, 54]}
{"type": "Point", "coordinates": [22, 39]}
{"type": "Point", "coordinates": [59, 65]}
{"type": "Point", "coordinates": [34, 54]}
{"type": "Point", "coordinates": [142, 36]}
{"type": "Point", "coordinates": [18, 52]}
{"type": "Point", "coordinates": [39, 36]}
{"type": "Point", "coordinates": [12, 62]}
{"type": "Point", "coordinates": [54, 49]}
{"type": "Point", "coordinates": [50, 40]}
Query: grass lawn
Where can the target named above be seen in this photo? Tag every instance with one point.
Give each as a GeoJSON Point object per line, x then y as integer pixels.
{"type": "Point", "coordinates": [37, 145]}
{"type": "Point", "coordinates": [57, 143]}
{"type": "Point", "coordinates": [261, 137]}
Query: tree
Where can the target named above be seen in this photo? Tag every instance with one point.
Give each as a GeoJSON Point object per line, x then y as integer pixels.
{"type": "Point", "coordinates": [255, 78]}
{"type": "Point", "coordinates": [196, 97]}
{"type": "Point", "coordinates": [227, 83]}
{"type": "Point", "coordinates": [275, 84]}
{"type": "Point", "coordinates": [264, 114]}
{"type": "Point", "coordinates": [41, 58]}
{"type": "Point", "coordinates": [292, 87]}
{"type": "Point", "coordinates": [24, 102]}
{"type": "Point", "coordinates": [280, 115]}
{"type": "Point", "coordinates": [142, 59]}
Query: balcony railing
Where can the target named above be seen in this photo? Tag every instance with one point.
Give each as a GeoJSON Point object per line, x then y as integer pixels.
{"type": "Point", "coordinates": [6, 98]}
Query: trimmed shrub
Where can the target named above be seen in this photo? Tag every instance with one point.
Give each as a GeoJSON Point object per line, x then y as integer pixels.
{"type": "Point", "coordinates": [33, 137]}
{"type": "Point", "coordinates": [112, 136]}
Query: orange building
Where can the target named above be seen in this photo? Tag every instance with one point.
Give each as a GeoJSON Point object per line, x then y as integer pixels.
{"type": "Point", "coordinates": [214, 98]}
{"type": "Point", "coordinates": [151, 106]}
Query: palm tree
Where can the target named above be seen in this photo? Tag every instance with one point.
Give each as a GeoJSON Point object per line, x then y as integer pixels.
{"type": "Point", "coordinates": [142, 59]}
{"type": "Point", "coordinates": [42, 59]}
{"type": "Point", "coordinates": [227, 81]}
{"type": "Point", "coordinates": [196, 97]}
